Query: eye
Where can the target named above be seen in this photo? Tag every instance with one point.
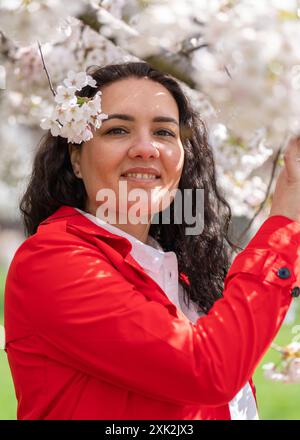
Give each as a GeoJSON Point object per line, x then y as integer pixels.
{"type": "Point", "coordinates": [116, 130]}
{"type": "Point", "coordinates": [165, 133]}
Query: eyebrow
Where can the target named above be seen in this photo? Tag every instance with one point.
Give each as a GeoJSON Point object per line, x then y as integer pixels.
{"type": "Point", "coordinates": [131, 118]}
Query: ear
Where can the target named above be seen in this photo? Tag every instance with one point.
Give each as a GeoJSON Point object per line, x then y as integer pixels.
{"type": "Point", "coordinates": [74, 152]}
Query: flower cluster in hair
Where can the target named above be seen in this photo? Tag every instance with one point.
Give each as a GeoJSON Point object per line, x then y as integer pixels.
{"type": "Point", "coordinates": [74, 117]}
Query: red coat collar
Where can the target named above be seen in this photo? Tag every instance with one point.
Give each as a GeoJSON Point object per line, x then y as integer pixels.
{"type": "Point", "coordinates": [68, 218]}
{"type": "Point", "coordinates": [115, 247]}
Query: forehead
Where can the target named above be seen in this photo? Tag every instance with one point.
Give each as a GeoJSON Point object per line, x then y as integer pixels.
{"type": "Point", "coordinates": [138, 95]}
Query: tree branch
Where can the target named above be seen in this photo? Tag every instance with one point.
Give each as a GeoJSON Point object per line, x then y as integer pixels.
{"type": "Point", "coordinates": [261, 206]}
{"type": "Point", "coordinates": [45, 68]}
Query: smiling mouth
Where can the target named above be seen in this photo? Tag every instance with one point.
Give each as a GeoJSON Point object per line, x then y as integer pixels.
{"type": "Point", "coordinates": [140, 176]}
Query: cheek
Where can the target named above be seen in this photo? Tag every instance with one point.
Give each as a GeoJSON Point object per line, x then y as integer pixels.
{"type": "Point", "coordinates": [99, 162]}
{"type": "Point", "coordinates": [174, 159]}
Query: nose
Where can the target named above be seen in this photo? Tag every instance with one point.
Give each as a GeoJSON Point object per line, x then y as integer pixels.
{"type": "Point", "coordinates": [144, 148]}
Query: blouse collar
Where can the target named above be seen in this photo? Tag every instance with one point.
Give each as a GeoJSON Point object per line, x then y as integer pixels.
{"type": "Point", "coordinates": [149, 255]}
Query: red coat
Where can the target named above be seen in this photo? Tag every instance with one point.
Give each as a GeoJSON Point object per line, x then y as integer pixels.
{"type": "Point", "coordinates": [89, 335]}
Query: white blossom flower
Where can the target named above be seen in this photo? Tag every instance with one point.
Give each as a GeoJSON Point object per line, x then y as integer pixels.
{"type": "Point", "coordinates": [91, 82]}
{"type": "Point", "coordinates": [71, 128]}
{"type": "Point", "coordinates": [248, 68]}
{"type": "Point", "coordinates": [59, 114]}
{"type": "Point", "coordinates": [79, 126]}
{"type": "Point", "coordinates": [79, 80]}
{"type": "Point", "coordinates": [66, 95]}
{"type": "Point", "coordinates": [294, 370]}
{"type": "Point", "coordinates": [271, 373]}
{"type": "Point", "coordinates": [288, 369]}
{"type": "Point", "coordinates": [268, 368]}
{"type": "Point", "coordinates": [75, 116]}
{"type": "Point", "coordinates": [294, 347]}
{"type": "Point", "coordinates": [86, 134]}
{"type": "Point", "coordinates": [73, 112]}
{"type": "Point", "coordinates": [97, 119]}
{"type": "Point", "coordinates": [52, 125]}
{"type": "Point", "coordinates": [94, 105]}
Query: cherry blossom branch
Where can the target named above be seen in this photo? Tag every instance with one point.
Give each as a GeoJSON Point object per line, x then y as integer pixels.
{"type": "Point", "coordinates": [261, 206]}
{"type": "Point", "coordinates": [45, 68]}
{"type": "Point", "coordinates": [276, 347]}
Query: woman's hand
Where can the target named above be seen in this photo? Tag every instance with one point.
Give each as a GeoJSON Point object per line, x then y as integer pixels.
{"type": "Point", "coordinates": [286, 199]}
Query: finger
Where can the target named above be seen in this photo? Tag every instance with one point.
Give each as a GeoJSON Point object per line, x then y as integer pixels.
{"type": "Point", "coordinates": [292, 159]}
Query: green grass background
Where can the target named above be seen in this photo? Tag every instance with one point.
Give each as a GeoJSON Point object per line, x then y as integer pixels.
{"type": "Point", "coordinates": [276, 401]}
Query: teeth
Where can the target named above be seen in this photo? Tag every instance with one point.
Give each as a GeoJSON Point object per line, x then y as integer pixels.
{"type": "Point", "coordinates": [141, 176]}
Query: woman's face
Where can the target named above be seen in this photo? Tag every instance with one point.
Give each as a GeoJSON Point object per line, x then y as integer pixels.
{"type": "Point", "coordinates": [138, 145]}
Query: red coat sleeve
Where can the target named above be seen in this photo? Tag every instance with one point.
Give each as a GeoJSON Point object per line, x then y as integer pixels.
{"type": "Point", "coordinates": [88, 316]}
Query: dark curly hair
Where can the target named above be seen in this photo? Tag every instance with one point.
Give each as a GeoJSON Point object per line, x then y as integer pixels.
{"type": "Point", "coordinates": [205, 258]}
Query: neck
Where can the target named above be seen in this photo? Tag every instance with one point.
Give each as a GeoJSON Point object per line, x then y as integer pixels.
{"type": "Point", "coordinates": [139, 230]}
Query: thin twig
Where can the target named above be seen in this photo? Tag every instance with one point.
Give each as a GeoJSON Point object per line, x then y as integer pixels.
{"type": "Point", "coordinates": [192, 49]}
{"type": "Point", "coordinates": [45, 68]}
{"type": "Point", "coordinates": [227, 71]}
{"type": "Point", "coordinates": [277, 347]}
{"type": "Point", "coordinates": [261, 206]}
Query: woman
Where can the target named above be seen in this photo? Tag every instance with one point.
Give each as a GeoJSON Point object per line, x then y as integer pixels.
{"type": "Point", "coordinates": [140, 320]}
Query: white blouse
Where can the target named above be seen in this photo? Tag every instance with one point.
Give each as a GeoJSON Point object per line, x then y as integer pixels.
{"type": "Point", "coordinates": [162, 267]}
